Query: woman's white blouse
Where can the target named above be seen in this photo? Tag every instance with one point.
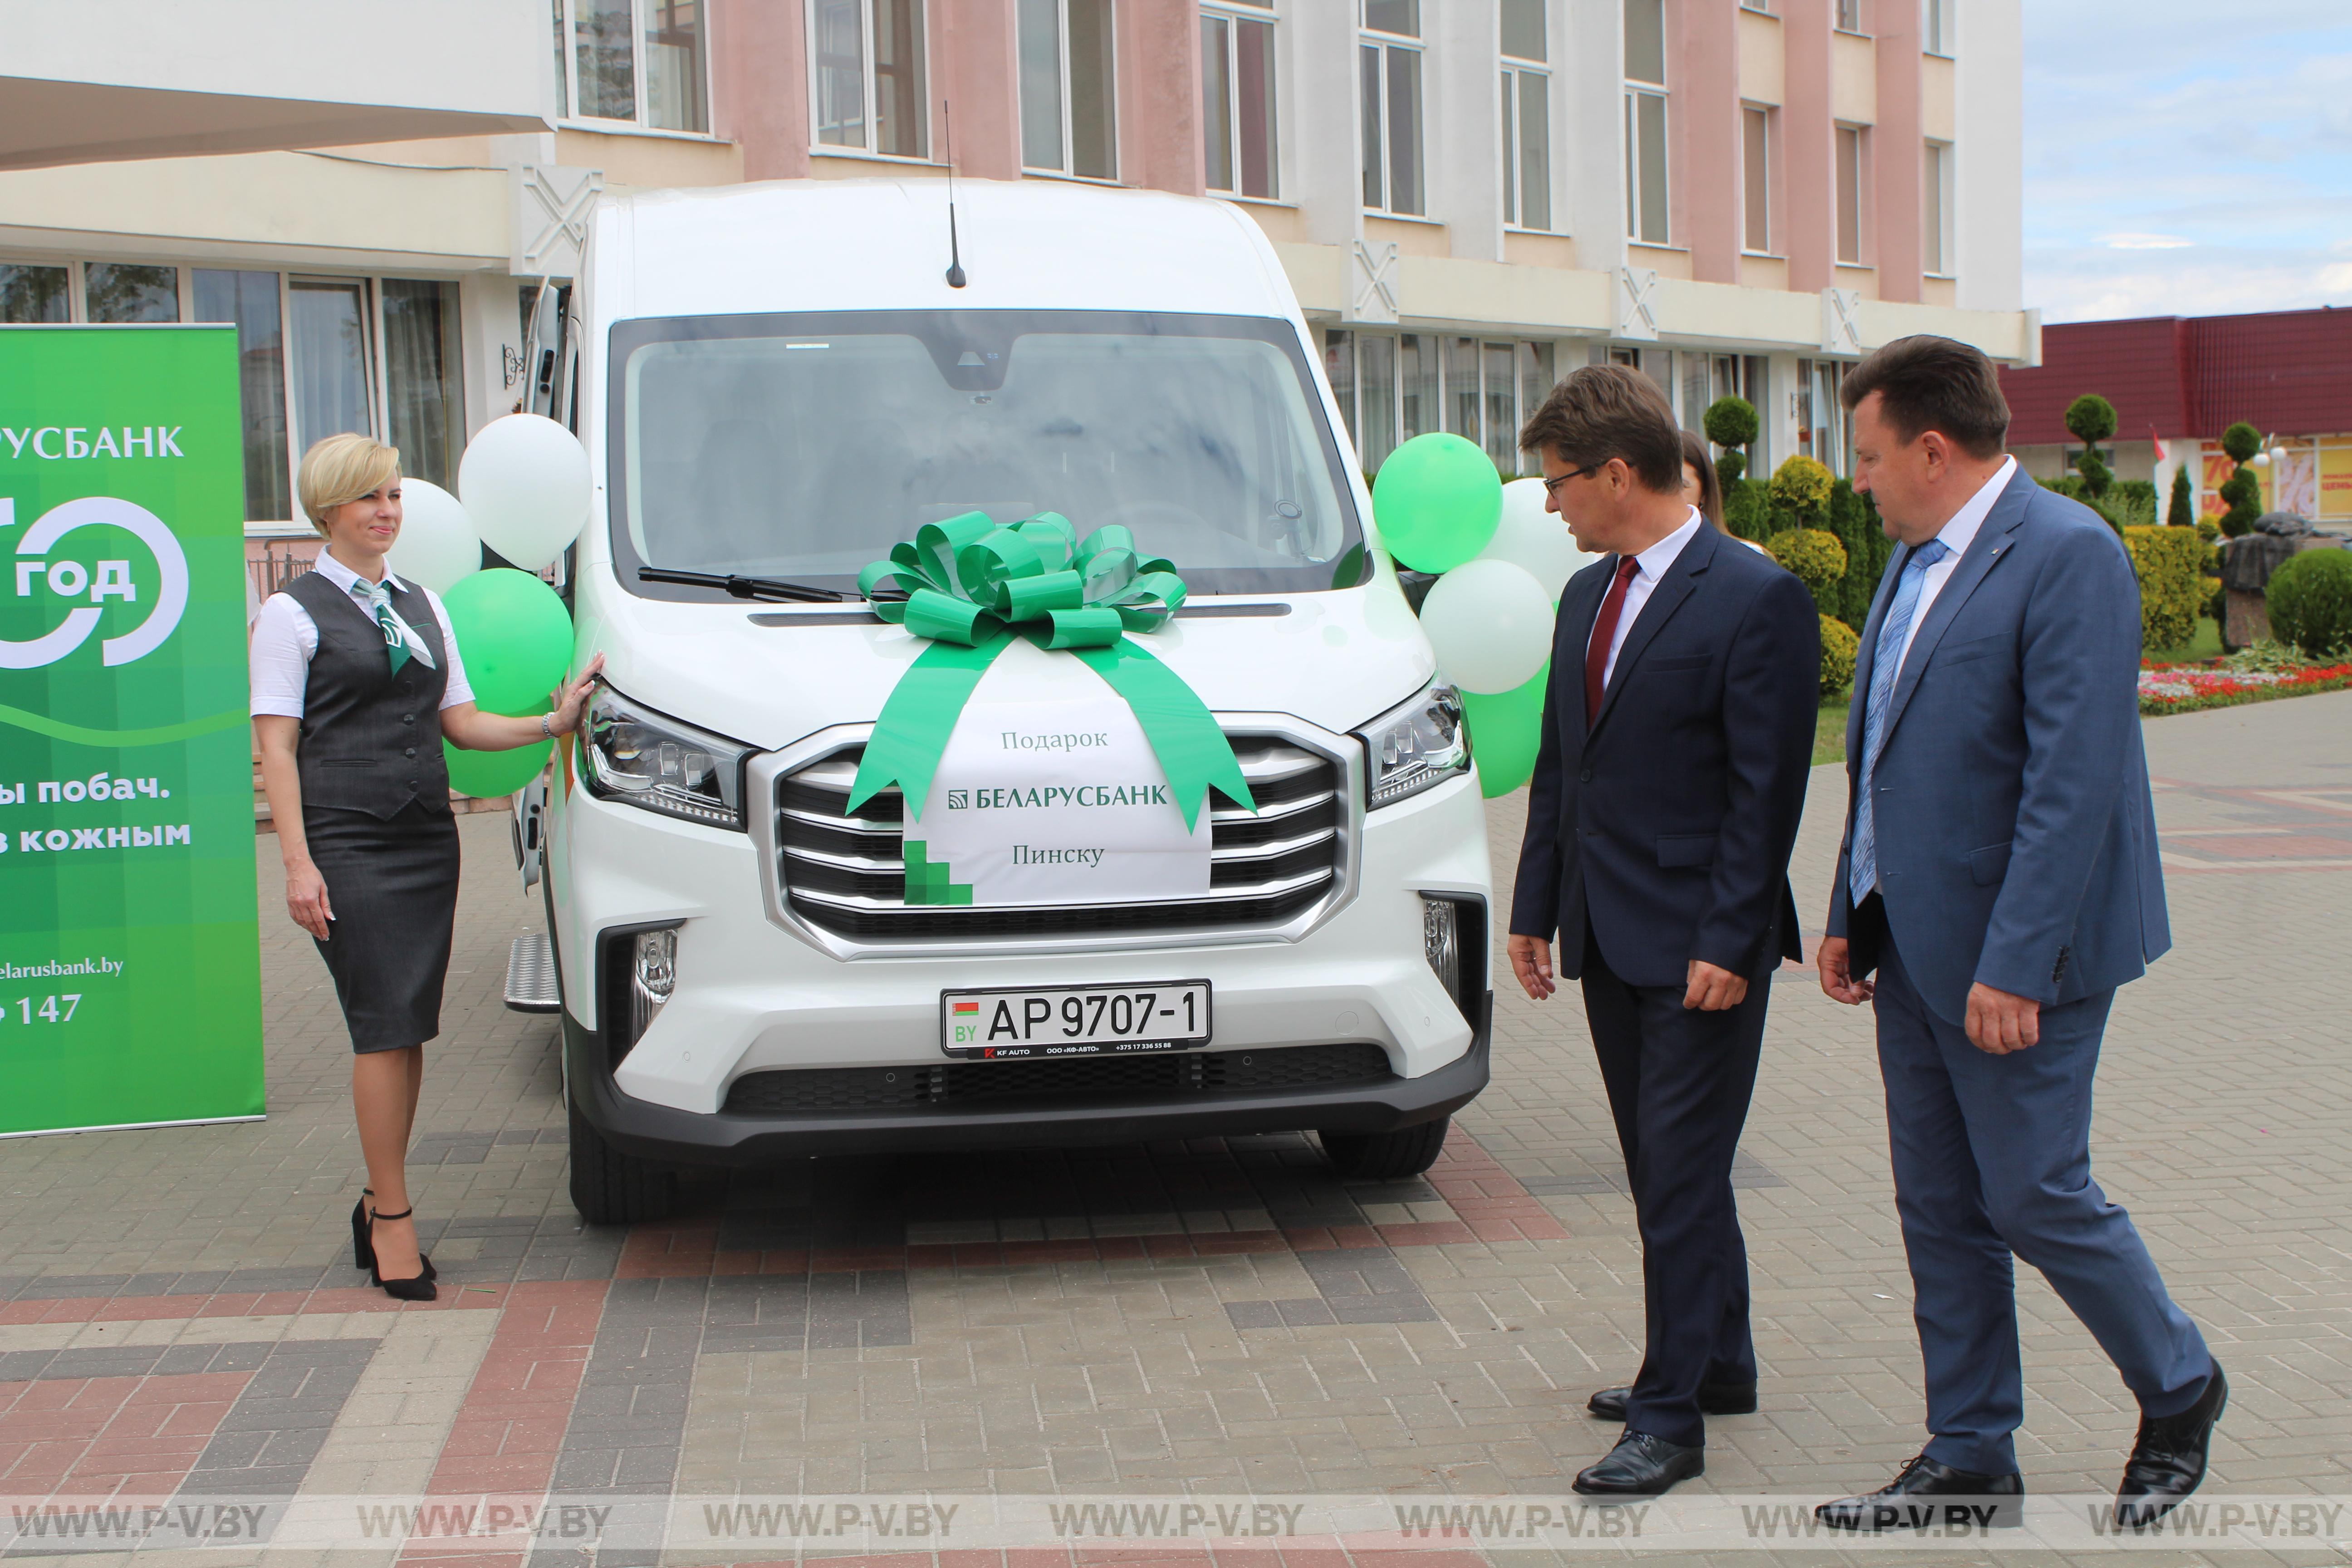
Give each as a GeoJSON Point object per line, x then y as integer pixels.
{"type": "Point", "coordinates": [285, 636]}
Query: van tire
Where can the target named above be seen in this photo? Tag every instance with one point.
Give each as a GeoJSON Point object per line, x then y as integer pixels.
{"type": "Point", "coordinates": [609, 1187]}
{"type": "Point", "coordinates": [1386, 1156]}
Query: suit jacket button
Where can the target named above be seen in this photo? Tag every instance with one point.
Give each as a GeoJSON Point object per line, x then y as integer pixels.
{"type": "Point", "coordinates": [1584, 777]}
{"type": "Point", "coordinates": [410, 753]}
{"type": "Point", "coordinates": [408, 718]}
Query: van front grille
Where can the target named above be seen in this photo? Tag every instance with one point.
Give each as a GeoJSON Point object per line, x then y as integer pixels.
{"type": "Point", "coordinates": [788, 1090]}
{"type": "Point", "coordinates": [846, 874]}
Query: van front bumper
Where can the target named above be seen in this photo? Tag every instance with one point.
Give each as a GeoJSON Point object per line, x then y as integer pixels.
{"type": "Point", "coordinates": [664, 1133]}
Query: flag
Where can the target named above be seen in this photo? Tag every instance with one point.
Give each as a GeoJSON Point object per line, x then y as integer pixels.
{"type": "Point", "coordinates": [2160, 443]}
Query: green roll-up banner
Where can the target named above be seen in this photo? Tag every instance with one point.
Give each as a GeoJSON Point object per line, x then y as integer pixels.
{"type": "Point", "coordinates": [129, 955]}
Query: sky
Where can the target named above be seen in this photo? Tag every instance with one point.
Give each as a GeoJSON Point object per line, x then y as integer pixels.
{"type": "Point", "coordinates": [2185, 158]}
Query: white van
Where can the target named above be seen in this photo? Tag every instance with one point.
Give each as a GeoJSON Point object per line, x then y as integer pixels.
{"type": "Point", "coordinates": [776, 384]}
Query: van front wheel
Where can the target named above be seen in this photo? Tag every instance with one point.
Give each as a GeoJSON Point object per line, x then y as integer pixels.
{"type": "Point", "coordinates": [1385, 1156]}
{"type": "Point", "coordinates": [609, 1187]}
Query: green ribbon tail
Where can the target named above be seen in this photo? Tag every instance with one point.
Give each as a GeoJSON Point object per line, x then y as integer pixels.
{"type": "Point", "coordinates": [1192, 750]}
{"type": "Point", "coordinates": [917, 718]}
{"type": "Point", "coordinates": [160, 735]}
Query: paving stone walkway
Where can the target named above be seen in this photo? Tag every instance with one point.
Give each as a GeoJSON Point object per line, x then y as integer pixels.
{"type": "Point", "coordinates": [178, 1315]}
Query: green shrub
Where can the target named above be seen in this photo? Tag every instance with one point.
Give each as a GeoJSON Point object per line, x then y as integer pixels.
{"type": "Point", "coordinates": [2310, 602]}
{"type": "Point", "coordinates": [2129, 509]}
{"type": "Point", "coordinates": [2242, 491]}
{"type": "Point", "coordinates": [1815, 556]}
{"type": "Point", "coordinates": [1731, 424]}
{"type": "Point", "coordinates": [2170, 565]}
{"type": "Point", "coordinates": [2068, 485]}
{"type": "Point", "coordinates": [2140, 491]}
{"type": "Point", "coordinates": [1841, 646]}
{"type": "Point", "coordinates": [1746, 509]}
{"type": "Point", "coordinates": [2092, 418]}
{"type": "Point", "coordinates": [1854, 520]}
{"type": "Point", "coordinates": [1800, 490]}
{"type": "Point", "coordinates": [2182, 511]}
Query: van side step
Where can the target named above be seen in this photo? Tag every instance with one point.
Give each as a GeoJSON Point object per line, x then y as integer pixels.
{"type": "Point", "coordinates": [531, 976]}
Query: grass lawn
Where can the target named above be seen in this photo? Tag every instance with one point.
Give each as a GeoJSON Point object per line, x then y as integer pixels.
{"type": "Point", "coordinates": [2206, 644]}
{"type": "Point", "coordinates": [1829, 733]}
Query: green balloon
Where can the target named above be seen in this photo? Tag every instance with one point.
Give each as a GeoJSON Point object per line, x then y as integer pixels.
{"type": "Point", "coordinates": [486, 775]}
{"type": "Point", "coordinates": [515, 637]}
{"type": "Point", "coordinates": [1437, 500]}
{"type": "Point", "coordinates": [1505, 732]}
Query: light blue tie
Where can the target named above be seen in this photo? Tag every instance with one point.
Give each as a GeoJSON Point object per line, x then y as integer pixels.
{"type": "Point", "coordinates": [1885, 666]}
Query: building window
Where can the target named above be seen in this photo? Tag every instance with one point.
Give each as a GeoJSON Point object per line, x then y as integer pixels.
{"type": "Point", "coordinates": [1935, 208]}
{"type": "Point", "coordinates": [1763, 5]}
{"type": "Point", "coordinates": [1526, 116]}
{"type": "Point", "coordinates": [1822, 432]}
{"type": "Point", "coordinates": [1756, 179]}
{"type": "Point", "coordinates": [32, 296]}
{"type": "Point", "coordinates": [1849, 15]}
{"type": "Point", "coordinates": [121, 293]}
{"type": "Point", "coordinates": [1237, 123]}
{"type": "Point", "coordinates": [1646, 122]}
{"type": "Point", "coordinates": [1936, 26]}
{"type": "Point", "coordinates": [251, 300]}
{"type": "Point", "coordinates": [1393, 386]}
{"type": "Point", "coordinates": [867, 57]}
{"type": "Point", "coordinates": [1851, 157]}
{"type": "Point", "coordinates": [635, 62]}
{"type": "Point", "coordinates": [425, 416]}
{"type": "Point", "coordinates": [1389, 70]}
{"type": "Point", "coordinates": [1068, 102]}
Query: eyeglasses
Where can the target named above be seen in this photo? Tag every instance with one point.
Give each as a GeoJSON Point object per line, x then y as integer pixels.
{"type": "Point", "coordinates": [1551, 486]}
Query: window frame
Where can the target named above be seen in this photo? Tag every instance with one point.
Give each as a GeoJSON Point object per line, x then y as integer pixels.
{"type": "Point", "coordinates": [1069, 131]}
{"type": "Point", "coordinates": [1841, 10]}
{"type": "Point", "coordinates": [1937, 20]}
{"type": "Point", "coordinates": [1441, 354]}
{"type": "Point", "coordinates": [569, 87]}
{"type": "Point", "coordinates": [1234, 13]}
{"type": "Point", "coordinates": [1636, 90]}
{"type": "Point", "coordinates": [869, 85]}
{"type": "Point", "coordinates": [1769, 115]}
{"type": "Point", "coordinates": [1515, 71]}
{"type": "Point", "coordinates": [1387, 47]}
{"type": "Point", "coordinates": [1839, 130]}
{"type": "Point", "coordinates": [1938, 206]}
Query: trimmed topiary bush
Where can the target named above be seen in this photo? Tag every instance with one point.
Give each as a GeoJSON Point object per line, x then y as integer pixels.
{"type": "Point", "coordinates": [2310, 603]}
{"type": "Point", "coordinates": [2092, 418]}
{"type": "Point", "coordinates": [2170, 565]}
{"type": "Point", "coordinates": [1815, 556]}
{"type": "Point", "coordinates": [1801, 494]}
{"type": "Point", "coordinates": [1731, 424]}
{"type": "Point", "coordinates": [2242, 491]}
{"type": "Point", "coordinates": [1746, 509]}
{"type": "Point", "coordinates": [1840, 648]}
{"type": "Point", "coordinates": [2181, 512]}
{"type": "Point", "coordinates": [1854, 520]}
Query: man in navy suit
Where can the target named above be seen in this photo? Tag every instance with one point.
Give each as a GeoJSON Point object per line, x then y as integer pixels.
{"type": "Point", "coordinates": [1678, 735]}
{"type": "Point", "coordinates": [1999, 874]}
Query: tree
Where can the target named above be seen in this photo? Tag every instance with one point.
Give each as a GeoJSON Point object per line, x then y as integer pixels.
{"type": "Point", "coordinates": [1731, 424]}
{"type": "Point", "coordinates": [2242, 489]}
{"type": "Point", "coordinates": [2092, 418]}
{"type": "Point", "coordinates": [2182, 511]}
{"type": "Point", "coordinates": [1801, 494]}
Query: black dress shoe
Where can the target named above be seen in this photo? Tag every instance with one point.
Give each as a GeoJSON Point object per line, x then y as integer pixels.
{"type": "Point", "coordinates": [1928, 1494]}
{"type": "Point", "coordinates": [1640, 1466]}
{"type": "Point", "coordinates": [1714, 1398]}
{"type": "Point", "coordinates": [2167, 1459]}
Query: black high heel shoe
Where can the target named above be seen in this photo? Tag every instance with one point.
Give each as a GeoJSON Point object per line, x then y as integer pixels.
{"type": "Point", "coordinates": [419, 1288]}
{"type": "Point", "coordinates": [363, 1251]}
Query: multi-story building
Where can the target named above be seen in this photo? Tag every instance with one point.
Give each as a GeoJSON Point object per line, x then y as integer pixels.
{"type": "Point", "coordinates": [1470, 196]}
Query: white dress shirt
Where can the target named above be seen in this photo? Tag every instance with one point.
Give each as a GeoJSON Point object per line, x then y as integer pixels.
{"type": "Point", "coordinates": [285, 638]}
{"type": "Point", "coordinates": [1651, 565]}
{"type": "Point", "coordinates": [1957, 535]}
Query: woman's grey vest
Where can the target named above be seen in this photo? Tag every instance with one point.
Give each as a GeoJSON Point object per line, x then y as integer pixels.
{"type": "Point", "coordinates": [371, 739]}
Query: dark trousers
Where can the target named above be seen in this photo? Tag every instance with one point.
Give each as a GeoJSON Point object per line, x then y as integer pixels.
{"type": "Point", "coordinates": [1992, 1157]}
{"type": "Point", "coordinates": [1679, 1082]}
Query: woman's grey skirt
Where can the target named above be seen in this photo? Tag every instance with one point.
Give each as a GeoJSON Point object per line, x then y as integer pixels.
{"type": "Point", "coordinates": [392, 887]}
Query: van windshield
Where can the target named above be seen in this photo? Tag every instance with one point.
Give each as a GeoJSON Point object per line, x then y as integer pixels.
{"type": "Point", "coordinates": [804, 446]}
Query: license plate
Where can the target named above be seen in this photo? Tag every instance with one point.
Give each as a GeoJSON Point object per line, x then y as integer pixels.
{"type": "Point", "coordinates": [1074, 1020]}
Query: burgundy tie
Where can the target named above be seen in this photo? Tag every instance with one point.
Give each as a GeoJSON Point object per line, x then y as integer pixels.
{"type": "Point", "coordinates": [1604, 633]}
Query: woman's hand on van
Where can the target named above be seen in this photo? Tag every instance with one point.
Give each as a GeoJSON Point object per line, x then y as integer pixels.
{"type": "Point", "coordinates": [571, 697]}
{"type": "Point", "coordinates": [1532, 962]}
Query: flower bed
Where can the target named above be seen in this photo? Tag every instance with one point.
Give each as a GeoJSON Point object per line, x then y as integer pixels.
{"type": "Point", "coordinates": [2185, 688]}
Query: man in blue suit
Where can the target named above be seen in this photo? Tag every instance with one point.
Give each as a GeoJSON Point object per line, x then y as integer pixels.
{"type": "Point", "coordinates": [2000, 874]}
{"type": "Point", "coordinates": [1677, 738]}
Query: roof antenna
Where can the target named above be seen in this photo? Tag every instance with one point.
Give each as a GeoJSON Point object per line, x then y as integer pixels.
{"type": "Point", "coordinates": [955, 257]}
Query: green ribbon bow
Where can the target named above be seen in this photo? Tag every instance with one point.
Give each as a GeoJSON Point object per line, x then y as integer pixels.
{"type": "Point", "coordinates": [971, 584]}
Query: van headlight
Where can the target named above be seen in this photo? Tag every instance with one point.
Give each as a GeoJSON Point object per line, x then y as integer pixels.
{"type": "Point", "coordinates": [634, 755]}
{"type": "Point", "coordinates": [1417, 745]}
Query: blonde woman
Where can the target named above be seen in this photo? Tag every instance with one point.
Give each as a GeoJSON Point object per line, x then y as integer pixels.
{"type": "Point", "coordinates": [356, 679]}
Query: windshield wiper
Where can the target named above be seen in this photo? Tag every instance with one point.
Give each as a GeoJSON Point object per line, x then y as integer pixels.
{"type": "Point", "coordinates": [744, 587]}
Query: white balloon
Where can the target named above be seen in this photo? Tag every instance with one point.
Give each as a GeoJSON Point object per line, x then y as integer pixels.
{"type": "Point", "coordinates": [437, 544]}
{"type": "Point", "coordinates": [1532, 538]}
{"type": "Point", "coordinates": [1491, 624]}
{"type": "Point", "coordinates": [526, 484]}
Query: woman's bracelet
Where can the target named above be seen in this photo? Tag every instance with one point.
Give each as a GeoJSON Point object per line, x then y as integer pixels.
{"type": "Point", "coordinates": [543, 727]}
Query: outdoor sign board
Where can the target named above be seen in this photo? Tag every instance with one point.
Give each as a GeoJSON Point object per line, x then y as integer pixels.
{"type": "Point", "coordinates": [129, 964]}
